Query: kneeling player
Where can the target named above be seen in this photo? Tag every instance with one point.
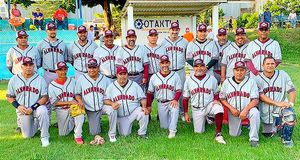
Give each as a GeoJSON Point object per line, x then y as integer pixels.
{"type": "Point", "coordinates": [240, 95]}
{"type": "Point", "coordinates": [203, 91]}
{"type": "Point", "coordinates": [62, 96]}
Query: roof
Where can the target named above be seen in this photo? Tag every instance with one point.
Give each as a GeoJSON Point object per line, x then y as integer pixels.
{"type": "Point", "coordinates": [169, 7]}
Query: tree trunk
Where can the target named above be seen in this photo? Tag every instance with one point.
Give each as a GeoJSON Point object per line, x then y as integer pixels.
{"type": "Point", "coordinates": [107, 14]}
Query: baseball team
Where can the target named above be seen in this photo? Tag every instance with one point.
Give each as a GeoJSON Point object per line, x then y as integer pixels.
{"type": "Point", "coordinates": [237, 79]}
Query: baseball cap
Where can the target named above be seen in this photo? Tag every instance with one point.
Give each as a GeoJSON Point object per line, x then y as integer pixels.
{"type": "Point", "coordinates": [21, 33]}
{"type": "Point", "coordinates": [263, 25]}
{"type": "Point", "coordinates": [202, 27]}
{"type": "Point", "coordinates": [239, 64]}
{"type": "Point", "coordinates": [130, 32]}
{"type": "Point", "coordinates": [164, 58]}
{"type": "Point", "coordinates": [174, 25]}
{"type": "Point", "coordinates": [61, 65]}
{"type": "Point", "coordinates": [152, 31]}
{"type": "Point", "coordinates": [81, 29]}
{"type": "Point", "coordinates": [121, 69]}
{"type": "Point", "coordinates": [108, 33]}
{"type": "Point", "coordinates": [198, 62]}
{"type": "Point", "coordinates": [209, 27]}
{"type": "Point", "coordinates": [187, 29]}
{"type": "Point", "coordinates": [27, 60]}
{"type": "Point", "coordinates": [51, 25]}
{"type": "Point", "coordinates": [240, 30]}
{"type": "Point", "coordinates": [222, 31]}
{"type": "Point", "coordinates": [92, 63]}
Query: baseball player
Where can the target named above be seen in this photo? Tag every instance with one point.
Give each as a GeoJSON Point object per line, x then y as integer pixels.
{"type": "Point", "coordinates": [260, 48]}
{"type": "Point", "coordinates": [106, 54]}
{"type": "Point", "coordinates": [129, 96]}
{"type": "Point", "coordinates": [203, 91]}
{"type": "Point", "coordinates": [221, 44]}
{"type": "Point", "coordinates": [81, 51]}
{"type": "Point", "coordinates": [135, 59]}
{"type": "Point", "coordinates": [273, 86]}
{"type": "Point", "coordinates": [62, 94]}
{"type": "Point", "coordinates": [52, 51]}
{"type": "Point", "coordinates": [27, 92]}
{"type": "Point", "coordinates": [14, 58]}
{"type": "Point", "coordinates": [90, 92]}
{"type": "Point", "coordinates": [176, 50]}
{"type": "Point", "coordinates": [166, 85]}
{"type": "Point", "coordinates": [240, 95]}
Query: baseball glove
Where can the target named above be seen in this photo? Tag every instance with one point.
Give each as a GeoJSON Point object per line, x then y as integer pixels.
{"type": "Point", "coordinates": [76, 110]}
{"type": "Point", "coordinates": [98, 140]}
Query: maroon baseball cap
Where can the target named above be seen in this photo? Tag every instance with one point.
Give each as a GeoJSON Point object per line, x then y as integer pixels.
{"type": "Point", "coordinates": [108, 33]}
{"type": "Point", "coordinates": [130, 32]}
{"type": "Point", "coordinates": [198, 62]}
{"type": "Point", "coordinates": [51, 25]}
{"type": "Point", "coordinates": [152, 31]}
{"type": "Point", "coordinates": [187, 29]}
{"type": "Point", "coordinates": [174, 25]}
{"type": "Point", "coordinates": [239, 64]}
{"type": "Point", "coordinates": [61, 65]}
{"type": "Point", "coordinates": [121, 69]}
{"type": "Point", "coordinates": [81, 29]}
{"type": "Point", "coordinates": [27, 60]}
{"type": "Point", "coordinates": [202, 27]}
{"type": "Point", "coordinates": [263, 25]}
{"type": "Point", "coordinates": [222, 31]}
{"type": "Point", "coordinates": [240, 30]}
{"type": "Point", "coordinates": [92, 63]}
{"type": "Point", "coordinates": [21, 33]}
{"type": "Point", "coordinates": [164, 58]}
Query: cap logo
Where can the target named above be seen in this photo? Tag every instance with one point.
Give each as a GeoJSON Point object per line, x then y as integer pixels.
{"type": "Point", "coordinates": [61, 64]}
{"type": "Point", "coordinates": [222, 30]}
{"type": "Point", "coordinates": [240, 64]}
{"type": "Point", "coordinates": [51, 25]}
{"type": "Point", "coordinates": [22, 32]}
{"type": "Point", "coordinates": [130, 32]}
{"type": "Point", "coordinates": [239, 30]}
{"type": "Point", "coordinates": [264, 24]}
{"type": "Point", "coordinates": [108, 32]}
{"type": "Point", "coordinates": [81, 27]}
{"type": "Point", "coordinates": [27, 59]}
{"type": "Point", "coordinates": [122, 68]}
{"type": "Point", "coordinates": [202, 27]}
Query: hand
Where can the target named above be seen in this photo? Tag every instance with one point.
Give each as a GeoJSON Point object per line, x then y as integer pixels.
{"type": "Point", "coordinates": [22, 109]}
{"type": "Point", "coordinates": [283, 104]}
{"type": "Point", "coordinates": [243, 114]}
{"type": "Point", "coordinates": [149, 109]}
{"type": "Point", "coordinates": [145, 110]}
{"type": "Point", "coordinates": [144, 81]}
{"type": "Point", "coordinates": [235, 112]}
{"type": "Point", "coordinates": [28, 111]}
{"type": "Point", "coordinates": [174, 103]}
{"type": "Point", "coordinates": [187, 118]}
{"type": "Point", "coordinates": [81, 105]}
{"type": "Point", "coordinates": [115, 105]}
{"type": "Point", "coordinates": [74, 102]}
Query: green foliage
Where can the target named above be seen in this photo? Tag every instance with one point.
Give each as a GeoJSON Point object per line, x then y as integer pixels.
{"type": "Point", "coordinates": [248, 20]}
{"type": "Point", "coordinates": [25, 3]}
{"type": "Point", "coordinates": [282, 6]}
{"type": "Point", "coordinates": [206, 16]}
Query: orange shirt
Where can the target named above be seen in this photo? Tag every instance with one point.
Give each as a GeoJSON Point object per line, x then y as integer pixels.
{"type": "Point", "coordinates": [60, 14]}
{"type": "Point", "coordinates": [188, 36]}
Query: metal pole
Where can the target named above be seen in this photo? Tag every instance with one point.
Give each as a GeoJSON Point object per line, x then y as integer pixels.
{"type": "Point", "coordinates": [8, 8]}
{"type": "Point", "coordinates": [80, 8]}
{"type": "Point", "coordinates": [76, 11]}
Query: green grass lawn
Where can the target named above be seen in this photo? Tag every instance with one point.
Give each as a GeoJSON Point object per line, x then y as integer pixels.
{"type": "Point", "coordinates": [186, 145]}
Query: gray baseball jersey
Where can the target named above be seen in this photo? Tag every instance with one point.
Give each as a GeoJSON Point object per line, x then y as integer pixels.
{"type": "Point", "coordinates": [107, 59]}
{"type": "Point", "coordinates": [165, 88]}
{"type": "Point", "coordinates": [65, 92]}
{"type": "Point", "coordinates": [27, 92]}
{"type": "Point", "coordinates": [134, 60]}
{"type": "Point", "coordinates": [239, 95]}
{"type": "Point", "coordinates": [92, 91]}
{"type": "Point", "coordinates": [154, 55]}
{"type": "Point", "coordinates": [176, 51]}
{"type": "Point", "coordinates": [257, 51]}
{"type": "Point", "coordinates": [128, 96]}
{"type": "Point", "coordinates": [232, 54]}
{"type": "Point", "coordinates": [276, 88]}
{"type": "Point", "coordinates": [15, 55]}
{"type": "Point", "coordinates": [52, 53]}
{"type": "Point", "coordinates": [220, 50]}
{"type": "Point", "coordinates": [79, 55]}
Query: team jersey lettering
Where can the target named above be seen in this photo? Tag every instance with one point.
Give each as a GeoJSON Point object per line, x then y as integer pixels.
{"type": "Point", "coordinates": [272, 89]}
{"type": "Point", "coordinates": [18, 60]}
{"type": "Point", "coordinates": [237, 55]}
{"type": "Point", "coordinates": [27, 89]}
{"type": "Point", "coordinates": [93, 89]}
{"type": "Point", "coordinates": [205, 53]}
{"type": "Point", "coordinates": [261, 52]}
{"type": "Point", "coordinates": [108, 58]}
{"type": "Point", "coordinates": [123, 97]}
{"type": "Point", "coordinates": [164, 86]}
{"type": "Point", "coordinates": [56, 50]}
{"type": "Point", "coordinates": [174, 48]}
{"type": "Point", "coordinates": [153, 55]}
{"type": "Point", "coordinates": [237, 94]}
{"type": "Point", "coordinates": [65, 94]}
{"type": "Point", "coordinates": [83, 55]}
{"type": "Point", "coordinates": [132, 58]}
{"type": "Point", "coordinates": [201, 90]}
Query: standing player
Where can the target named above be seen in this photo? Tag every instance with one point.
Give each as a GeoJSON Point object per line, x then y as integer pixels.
{"type": "Point", "coordinates": [204, 94]}
{"type": "Point", "coordinates": [166, 86]}
{"type": "Point", "coordinates": [240, 95]}
{"type": "Point", "coordinates": [176, 50]}
{"type": "Point", "coordinates": [27, 92]}
{"type": "Point", "coordinates": [90, 92]}
{"type": "Point", "coordinates": [135, 59]}
{"type": "Point", "coordinates": [106, 54]}
{"type": "Point", "coordinates": [62, 95]}
{"type": "Point", "coordinates": [221, 44]}
{"type": "Point", "coordinates": [81, 51]}
{"type": "Point", "coordinates": [274, 85]}
{"type": "Point", "coordinates": [260, 48]}
{"type": "Point", "coordinates": [129, 96]}
{"type": "Point", "coordinates": [52, 51]}
{"type": "Point", "coordinates": [15, 55]}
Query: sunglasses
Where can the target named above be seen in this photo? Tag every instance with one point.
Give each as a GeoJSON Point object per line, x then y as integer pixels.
{"type": "Point", "coordinates": [263, 29]}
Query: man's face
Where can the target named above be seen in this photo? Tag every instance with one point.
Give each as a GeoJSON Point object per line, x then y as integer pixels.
{"type": "Point", "coordinates": [28, 68]}
{"type": "Point", "coordinates": [22, 40]}
{"type": "Point", "coordinates": [82, 36]}
{"type": "Point", "coordinates": [240, 39]}
{"type": "Point", "coordinates": [109, 40]}
{"type": "Point", "coordinates": [62, 73]}
{"type": "Point", "coordinates": [174, 32]}
{"type": "Point", "coordinates": [152, 39]}
{"type": "Point", "coordinates": [222, 38]}
{"type": "Point", "coordinates": [122, 77]}
{"type": "Point", "coordinates": [201, 35]}
{"type": "Point", "coordinates": [164, 66]}
{"type": "Point", "coordinates": [93, 71]}
{"type": "Point", "coordinates": [263, 33]}
{"type": "Point", "coordinates": [51, 33]}
{"type": "Point", "coordinates": [239, 73]}
{"type": "Point", "coordinates": [131, 40]}
{"type": "Point", "coordinates": [269, 65]}
{"type": "Point", "coordinates": [199, 70]}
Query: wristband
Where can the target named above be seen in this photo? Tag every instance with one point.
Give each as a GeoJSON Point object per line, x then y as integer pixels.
{"type": "Point", "coordinates": [15, 104]}
{"type": "Point", "coordinates": [35, 106]}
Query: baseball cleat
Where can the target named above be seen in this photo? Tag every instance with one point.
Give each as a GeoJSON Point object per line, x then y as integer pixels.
{"type": "Point", "coordinates": [254, 143]}
{"type": "Point", "coordinates": [172, 134]}
{"type": "Point", "coordinates": [112, 139]}
{"type": "Point", "coordinates": [78, 140]}
{"type": "Point", "coordinates": [143, 136]}
{"type": "Point", "coordinates": [18, 130]}
{"type": "Point", "coordinates": [220, 139]}
{"type": "Point", "coordinates": [45, 142]}
{"type": "Point", "coordinates": [288, 144]}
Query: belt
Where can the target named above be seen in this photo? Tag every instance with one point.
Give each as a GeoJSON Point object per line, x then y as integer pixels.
{"type": "Point", "coordinates": [48, 70]}
{"type": "Point", "coordinates": [111, 77]}
{"type": "Point", "coordinates": [163, 101]}
{"type": "Point", "coordinates": [175, 70]}
{"type": "Point", "coordinates": [197, 107]}
{"type": "Point", "coordinates": [134, 73]}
